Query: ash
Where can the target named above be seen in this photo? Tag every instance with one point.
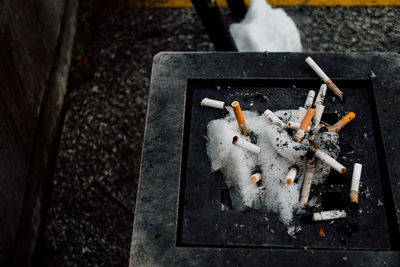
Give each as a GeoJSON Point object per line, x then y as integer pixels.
{"type": "Point", "coordinates": [279, 152]}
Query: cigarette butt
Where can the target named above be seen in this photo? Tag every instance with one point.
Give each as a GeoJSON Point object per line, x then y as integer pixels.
{"type": "Point", "coordinates": [207, 102]}
{"type": "Point", "coordinates": [246, 145]}
{"type": "Point", "coordinates": [311, 136]}
{"type": "Point", "coordinates": [299, 116]}
{"type": "Point", "coordinates": [342, 122]}
{"type": "Point", "coordinates": [239, 118]}
{"type": "Point", "coordinates": [310, 99]}
{"type": "Point", "coordinates": [355, 182]}
{"type": "Point", "coordinates": [328, 160]}
{"type": "Point", "coordinates": [295, 125]}
{"type": "Point", "coordinates": [291, 175]}
{"type": "Point", "coordinates": [353, 196]}
{"type": "Point", "coordinates": [299, 135]}
{"type": "Point", "coordinates": [321, 95]}
{"type": "Point", "coordinates": [324, 77]}
{"type": "Point", "coordinates": [256, 177]}
{"type": "Point", "coordinates": [334, 89]}
{"type": "Point", "coordinates": [307, 119]}
{"type": "Point", "coordinates": [317, 69]}
{"type": "Point", "coordinates": [308, 177]}
{"type": "Point", "coordinates": [328, 215]}
{"type": "Point", "coordinates": [206, 137]}
{"type": "Point", "coordinates": [274, 119]}
{"type": "Point", "coordinates": [304, 124]}
{"type": "Point", "coordinates": [319, 110]}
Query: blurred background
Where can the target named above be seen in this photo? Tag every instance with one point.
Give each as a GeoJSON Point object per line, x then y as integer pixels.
{"type": "Point", "coordinates": [74, 83]}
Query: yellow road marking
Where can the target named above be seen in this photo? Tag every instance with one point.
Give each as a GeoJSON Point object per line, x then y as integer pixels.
{"type": "Point", "coordinates": [222, 3]}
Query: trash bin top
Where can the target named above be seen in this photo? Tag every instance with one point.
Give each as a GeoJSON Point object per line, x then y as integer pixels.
{"type": "Point", "coordinates": [178, 218]}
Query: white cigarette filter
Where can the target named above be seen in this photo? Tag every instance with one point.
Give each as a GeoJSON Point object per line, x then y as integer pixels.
{"type": "Point", "coordinates": [207, 102]}
{"type": "Point", "coordinates": [328, 215]}
{"type": "Point", "coordinates": [274, 119]}
{"type": "Point", "coordinates": [355, 182]}
{"type": "Point", "coordinates": [321, 95]}
{"type": "Point", "coordinates": [295, 125]}
{"type": "Point", "coordinates": [329, 160]}
{"type": "Point", "coordinates": [317, 69]}
{"type": "Point", "coordinates": [308, 177]}
{"type": "Point", "coordinates": [310, 99]}
{"type": "Point", "coordinates": [246, 145]}
{"type": "Point", "coordinates": [324, 77]}
{"type": "Point", "coordinates": [291, 175]}
{"type": "Point", "coordinates": [299, 116]}
{"type": "Point", "coordinates": [299, 135]}
{"type": "Point", "coordinates": [319, 110]}
{"type": "Point", "coordinates": [256, 177]}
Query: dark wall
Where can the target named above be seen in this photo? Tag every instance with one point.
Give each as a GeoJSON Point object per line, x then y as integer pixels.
{"type": "Point", "coordinates": [36, 38]}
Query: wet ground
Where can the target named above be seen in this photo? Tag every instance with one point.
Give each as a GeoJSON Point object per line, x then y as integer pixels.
{"type": "Point", "coordinates": [90, 206]}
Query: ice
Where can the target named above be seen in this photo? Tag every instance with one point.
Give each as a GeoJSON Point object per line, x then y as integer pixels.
{"type": "Point", "coordinates": [266, 29]}
{"type": "Point", "coordinates": [279, 152]}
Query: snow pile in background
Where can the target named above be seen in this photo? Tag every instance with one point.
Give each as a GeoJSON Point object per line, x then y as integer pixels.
{"type": "Point", "coordinates": [278, 154]}
{"type": "Point", "coordinates": [266, 29]}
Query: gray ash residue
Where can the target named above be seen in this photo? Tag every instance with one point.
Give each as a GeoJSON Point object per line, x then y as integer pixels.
{"type": "Point", "coordinates": [253, 137]}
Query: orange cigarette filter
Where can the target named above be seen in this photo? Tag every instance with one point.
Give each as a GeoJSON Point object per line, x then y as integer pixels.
{"type": "Point", "coordinates": [307, 119]}
{"type": "Point", "coordinates": [239, 118]}
{"type": "Point", "coordinates": [342, 122]}
{"type": "Point", "coordinates": [255, 177]}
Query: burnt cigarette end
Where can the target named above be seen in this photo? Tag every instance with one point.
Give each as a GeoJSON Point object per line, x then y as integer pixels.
{"type": "Point", "coordinates": [291, 175]}
{"type": "Point", "coordinates": [245, 144]}
{"type": "Point", "coordinates": [355, 182]}
{"type": "Point", "coordinates": [310, 154]}
{"type": "Point", "coordinates": [235, 139]}
{"type": "Point", "coordinates": [312, 148]}
{"type": "Point", "coordinates": [323, 129]}
{"type": "Point", "coordinates": [334, 89]}
{"type": "Point", "coordinates": [342, 171]}
{"type": "Point", "coordinates": [257, 169]}
{"type": "Point", "coordinates": [354, 196]}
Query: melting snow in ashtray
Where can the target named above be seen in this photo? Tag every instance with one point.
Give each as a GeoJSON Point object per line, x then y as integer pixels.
{"type": "Point", "coordinates": [279, 152]}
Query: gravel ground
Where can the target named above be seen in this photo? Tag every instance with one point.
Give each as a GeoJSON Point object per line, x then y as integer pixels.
{"type": "Point", "coordinates": [91, 201]}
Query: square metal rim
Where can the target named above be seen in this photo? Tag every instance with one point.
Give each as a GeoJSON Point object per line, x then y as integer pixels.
{"type": "Point", "coordinates": [155, 225]}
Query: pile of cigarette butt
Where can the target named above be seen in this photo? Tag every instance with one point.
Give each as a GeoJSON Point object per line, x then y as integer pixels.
{"type": "Point", "coordinates": [303, 126]}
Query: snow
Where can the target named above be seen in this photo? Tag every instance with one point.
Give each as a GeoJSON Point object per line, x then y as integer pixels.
{"type": "Point", "coordinates": [279, 152]}
{"type": "Point", "coordinates": [265, 29]}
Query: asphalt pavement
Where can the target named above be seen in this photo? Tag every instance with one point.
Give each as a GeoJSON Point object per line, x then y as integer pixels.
{"type": "Point", "coordinates": [90, 205]}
